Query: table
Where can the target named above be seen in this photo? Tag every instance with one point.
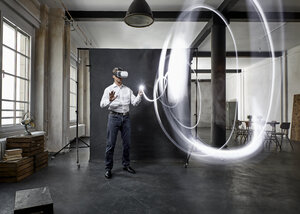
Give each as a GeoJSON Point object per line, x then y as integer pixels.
{"type": "Point", "coordinates": [273, 125]}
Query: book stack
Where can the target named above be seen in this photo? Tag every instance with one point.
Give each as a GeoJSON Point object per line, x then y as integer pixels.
{"type": "Point", "coordinates": [13, 155]}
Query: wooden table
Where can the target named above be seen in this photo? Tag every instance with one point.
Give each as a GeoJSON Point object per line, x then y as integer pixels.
{"type": "Point", "coordinates": [273, 125]}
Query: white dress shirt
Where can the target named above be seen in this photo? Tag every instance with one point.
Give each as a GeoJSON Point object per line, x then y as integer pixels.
{"type": "Point", "coordinates": [124, 96]}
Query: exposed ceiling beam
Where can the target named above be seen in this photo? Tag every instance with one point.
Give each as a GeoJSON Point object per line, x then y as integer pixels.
{"type": "Point", "coordinates": [241, 54]}
{"type": "Point", "coordinates": [194, 16]}
{"type": "Point", "coordinates": [167, 16]}
{"type": "Point", "coordinates": [270, 16]}
{"type": "Point", "coordinates": [208, 71]}
{"type": "Point", "coordinates": [223, 8]}
{"type": "Point", "coordinates": [201, 80]}
{"type": "Point", "coordinates": [202, 35]}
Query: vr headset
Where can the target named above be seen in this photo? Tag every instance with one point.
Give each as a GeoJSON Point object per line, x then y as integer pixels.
{"type": "Point", "coordinates": [120, 73]}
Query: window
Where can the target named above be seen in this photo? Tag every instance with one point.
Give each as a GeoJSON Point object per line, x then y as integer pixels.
{"type": "Point", "coordinates": [73, 92]}
{"type": "Point", "coordinates": [16, 63]}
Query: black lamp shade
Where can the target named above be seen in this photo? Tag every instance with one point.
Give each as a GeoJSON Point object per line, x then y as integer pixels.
{"type": "Point", "coordinates": [139, 14]}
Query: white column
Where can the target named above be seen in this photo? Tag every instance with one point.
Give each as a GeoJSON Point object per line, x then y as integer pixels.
{"type": "Point", "coordinates": [40, 71]}
{"type": "Point", "coordinates": [56, 117]}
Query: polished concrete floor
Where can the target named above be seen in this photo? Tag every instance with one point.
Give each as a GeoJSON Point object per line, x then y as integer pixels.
{"type": "Point", "coordinates": [267, 184]}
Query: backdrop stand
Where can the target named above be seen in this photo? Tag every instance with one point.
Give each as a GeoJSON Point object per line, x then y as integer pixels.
{"type": "Point", "coordinates": [76, 139]}
{"type": "Point", "coordinates": [196, 114]}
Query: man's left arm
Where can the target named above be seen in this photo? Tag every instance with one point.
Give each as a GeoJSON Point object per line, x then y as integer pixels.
{"type": "Point", "coordinates": [135, 100]}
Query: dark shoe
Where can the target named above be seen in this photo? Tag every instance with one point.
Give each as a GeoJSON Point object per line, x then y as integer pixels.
{"type": "Point", "coordinates": [129, 169]}
{"type": "Point", "coordinates": [108, 174]}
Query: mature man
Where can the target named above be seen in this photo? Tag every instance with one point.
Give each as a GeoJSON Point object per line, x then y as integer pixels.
{"type": "Point", "coordinates": [118, 97]}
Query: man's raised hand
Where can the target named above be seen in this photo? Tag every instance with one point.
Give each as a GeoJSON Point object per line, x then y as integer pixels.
{"type": "Point", "coordinates": [112, 96]}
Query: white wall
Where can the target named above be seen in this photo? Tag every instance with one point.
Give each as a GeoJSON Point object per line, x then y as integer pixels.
{"type": "Point", "coordinates": [255, 85]}
{"type": "Point", "coordinates": [260, 85]}
{"type": "Point", "coordinates": [234, 91]}
{"type": "Point", "coordinates": [206, 101]}
{"type": "Point", "coordinates": [293, 81]}
{"type": "Point", "coordinates": [252, 88]}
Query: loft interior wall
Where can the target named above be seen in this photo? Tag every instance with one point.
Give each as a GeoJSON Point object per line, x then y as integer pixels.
{"type": "Point", "coordinates": [204, 100]}
{"type": "Point", "coordinates": [258, 90]}
{"type": "Point", "coordinates": [293, 73]}
{"type": "Point", "coordinates": [255, 85]}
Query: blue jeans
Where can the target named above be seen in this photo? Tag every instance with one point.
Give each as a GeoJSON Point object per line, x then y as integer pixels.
{"type": "Point", "coordinates": [114, 124]}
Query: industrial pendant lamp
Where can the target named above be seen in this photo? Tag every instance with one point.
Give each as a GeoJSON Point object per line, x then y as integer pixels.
{"type": "Point", "coordinates": [139, 14]}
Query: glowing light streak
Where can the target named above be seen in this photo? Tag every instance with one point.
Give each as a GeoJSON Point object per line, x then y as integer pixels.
{"type": "Point", "coordinates": [202, 150]}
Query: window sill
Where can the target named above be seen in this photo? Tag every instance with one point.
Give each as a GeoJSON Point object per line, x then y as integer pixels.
{"type": "Point", "coordinates": [12, 131]}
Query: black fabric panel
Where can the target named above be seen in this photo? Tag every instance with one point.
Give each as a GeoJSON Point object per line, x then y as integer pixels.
{"type": "Point", "coordinates": [148, 140]}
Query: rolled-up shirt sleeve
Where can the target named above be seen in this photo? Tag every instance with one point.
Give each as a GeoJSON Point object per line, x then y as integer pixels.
{"type": "Point", "coordinates": [105, 99]}
{"type": "Point", "coordinates": [106, 102]}
{"type": "Point", "coordinates": [135, 100]}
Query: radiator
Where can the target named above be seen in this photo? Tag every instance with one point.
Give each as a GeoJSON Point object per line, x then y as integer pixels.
{"type": "Point", "coordinates": [2, 147]}
{"type": "Point", "coordinates": [81, 131]}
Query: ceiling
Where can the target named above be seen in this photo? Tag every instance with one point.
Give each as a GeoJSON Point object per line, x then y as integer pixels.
{"type": "Point", "coordinates": [249, 36]}
{"type": "Point", "coordinates": [122, 5]}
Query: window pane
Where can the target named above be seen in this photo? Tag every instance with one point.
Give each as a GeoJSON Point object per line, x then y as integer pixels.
{"type": "Point", "coordinates": [7, 105]}
{"type": "Point", "coordinates": [22, 90]}
{"type": "Point", "coordinates": [73, 73]}
{"type": "Point", "coordinates": [7, 114]}
{"type": "Point", "coordinates": [18, 120]}
{"type": "Point", "coordinates": [72, 100]}
{"type": "Point", "coordinates": [8, 63]}
{"type": "Point", "coordinates": [7, 121]}
{"type": "Point", "coordinates": [9, 36]}
{"type": "Point", "coordinates": [8, 89]}
{"type": "Point", "coordinates": [22, 106]}
{"type": "Point", "coordinates": [22, 66]}
{"type": "Point", "coordinates": [72, 114]}
{"type": "Point", "coordinates": [23, 44]}
{"type": "Point", "coordinates": [73, 87]}
{"type": "Point", "coordinates": [19, 113]}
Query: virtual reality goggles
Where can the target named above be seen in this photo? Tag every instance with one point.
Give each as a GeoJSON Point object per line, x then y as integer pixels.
{"type": "Point", "coordinates": [118, 72]}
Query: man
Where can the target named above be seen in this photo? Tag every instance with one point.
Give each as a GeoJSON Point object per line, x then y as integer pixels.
{"type": "Point", "coordinates": [118, 97]}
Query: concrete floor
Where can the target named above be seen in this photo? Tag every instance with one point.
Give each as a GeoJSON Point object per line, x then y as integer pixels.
{"type": "Point", "coordinates": [271, 185]}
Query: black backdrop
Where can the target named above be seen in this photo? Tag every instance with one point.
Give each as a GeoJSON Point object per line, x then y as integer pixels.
{"type": "Point", "coordinates": [148, 140]}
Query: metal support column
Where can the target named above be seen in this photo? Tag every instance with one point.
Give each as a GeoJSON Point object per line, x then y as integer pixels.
{"type": "Point", "coordinates": [218, 82]}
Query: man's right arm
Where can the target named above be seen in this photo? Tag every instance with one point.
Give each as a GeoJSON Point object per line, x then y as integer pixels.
{"type": "Point", "coordinates": [105, 100]}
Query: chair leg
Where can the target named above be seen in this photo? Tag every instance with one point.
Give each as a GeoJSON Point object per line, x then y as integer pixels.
{"type": "Point", "coordinates": [244, 139]}
{"type": "Point", "coordinates": [278, 143]}
{"type": "Point", "coordinates": [290, 142]}
{"type": "Point", "coordinates": [267, 144]}
{"type": "Point", "coordinates": [270, 141]}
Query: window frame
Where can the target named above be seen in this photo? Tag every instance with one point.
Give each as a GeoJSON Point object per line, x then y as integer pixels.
{"type": "Point", "coordinates": [74, 65]}
{"type": "Point", "coordinates": [15, 76]}
{"type": "Point", "coordinates": [29, 29]}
